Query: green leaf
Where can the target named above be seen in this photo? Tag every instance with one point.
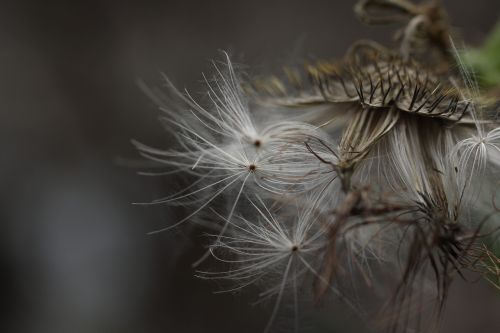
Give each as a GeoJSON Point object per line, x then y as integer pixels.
{"type": "Point", "coordinates": [486, 60]}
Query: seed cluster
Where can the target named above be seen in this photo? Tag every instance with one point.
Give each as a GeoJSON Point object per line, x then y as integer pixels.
{"type": "Point", "coordinates": [315, 180]}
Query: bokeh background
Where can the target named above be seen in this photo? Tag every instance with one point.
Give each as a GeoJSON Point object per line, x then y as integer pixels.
{"type": "Point", "coordinates": [74, 254]}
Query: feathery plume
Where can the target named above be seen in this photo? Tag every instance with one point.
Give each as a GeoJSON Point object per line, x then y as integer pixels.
{"type": "Point", "coordinates": [385, 158]}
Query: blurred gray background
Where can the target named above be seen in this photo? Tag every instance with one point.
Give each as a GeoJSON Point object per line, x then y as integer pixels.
{"type": "Point", "coordinates": [74, 253]}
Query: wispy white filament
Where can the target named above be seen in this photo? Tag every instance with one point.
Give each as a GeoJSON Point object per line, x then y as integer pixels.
{"type": "Point", "coordinates": [227, 153]}
{"type": "Point", "coordinates": [279, 191]}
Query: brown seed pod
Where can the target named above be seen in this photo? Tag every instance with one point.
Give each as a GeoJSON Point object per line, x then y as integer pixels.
{"type": "Point", "coordinates": [373, 78]}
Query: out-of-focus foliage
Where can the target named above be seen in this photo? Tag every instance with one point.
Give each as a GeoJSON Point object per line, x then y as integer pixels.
{"type": "Point", "coordinates": [486, 60]}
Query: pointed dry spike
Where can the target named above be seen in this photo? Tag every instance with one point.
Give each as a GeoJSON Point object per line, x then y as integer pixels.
{"type": "Point", "coordinates": [463, 112]}
{"type": "Point", "coordinates": [455, 106]}
{"type": "Point", "coordinates": [359, 91]}
{"type": "Point", "coordinates": [386, 94]}
{"type": "Point", "coordinates": [414, 97]}
{"type": "Point", "coordinates": [401, 81]}
{"type": "Point", "coordinates": [399, 93]}
{"type": "Point", "coordinates": [449, 109]}
{"type": "Point", "coordinates": [434, 105]}
{"type": "Point", "coordinates": [361, 87]}
{"type": "Point", "coordinates": [423, 103]}
{"type": "Point", "coordinates": [382, 90]}
{"type": "Point", "coordinates": [374, 90]}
